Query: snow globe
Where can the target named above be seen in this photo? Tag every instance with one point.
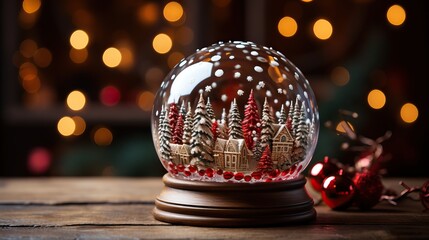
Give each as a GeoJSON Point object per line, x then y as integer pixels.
{"type": "Point", "coordinates": [235, 124]}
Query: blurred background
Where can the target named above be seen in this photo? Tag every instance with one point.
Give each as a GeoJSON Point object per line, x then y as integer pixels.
{"type": "Point", "coordinates": [78, 78]}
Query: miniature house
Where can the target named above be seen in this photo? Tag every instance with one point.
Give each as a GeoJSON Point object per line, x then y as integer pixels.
{"type": "Point", "coordinates": [282, 145]}
{"type": "Point", "coordinates": [180, 153]}
{"type": "Point", "coordinates": [232, 154]}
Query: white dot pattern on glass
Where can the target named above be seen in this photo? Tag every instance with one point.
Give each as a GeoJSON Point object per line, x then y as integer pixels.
{"type": "Point", "coordinates": [219, 73]}
{"type": "Point", "coordinates": [215, 58]}
{"type": "Point", "coordinates": [224, 97]}
{"type": "Point", "coordinates": [276, 101]}
{"type": "Point", "coordinates": [268, 93]}
{"type": "Point", "coordinates": [240, 92]}
{"type": "Point", "coordinates": [237, 66]}
{"type": "Point", "coordinates": [290, 87]}
{"type": "Point", "coordinates": [237, 75]}
{"type": "Point", "coordinates": [254, 53]}
{"type": "Point", "coordinates": [249, 78]}
{"type": "Point", "coordinates": [258, 69]}
{"type": "Point", "coordinates": [182, 63]}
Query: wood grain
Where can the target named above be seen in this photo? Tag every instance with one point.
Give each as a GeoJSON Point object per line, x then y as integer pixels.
{"type": "Point", "coordinates": [121, 208]}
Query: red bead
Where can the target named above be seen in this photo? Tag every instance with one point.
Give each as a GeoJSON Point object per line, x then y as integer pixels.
{"type": "Point", "coordinates": [247, 178]}
{"type": "Point", "coordinates": [192, 168]}
{"type": "Point", "coordinates": [171, 165]}
{"type": "Point", "coordinates": [256, 175]}
{"type": "Point", "coordinates": [338, 191]}
{"type": "Point", "coordinates": [209, 172]}
{"type": "Point", "coordinates": [273, 174]}
{"type": "Point", "coordinates": [180, 168]}
{"type": "Point", "coordinates": [320, 171]}
{"type": "Point", "coordinates": [219, 172]}
{"type": "Point", "coordinates": [238, 176]}
{"type": "Point", "coordinates": [201, 172]}
{"type": "Point", "coordinates": [268, 180]}
{"type": "Point", "coordinates": [187, 173]}
{"type": "Point", "coordinates": [228, 175]}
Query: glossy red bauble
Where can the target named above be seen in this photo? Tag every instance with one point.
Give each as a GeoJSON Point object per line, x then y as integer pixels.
{"type": "Point", "coordinates": [369, 189]}
{"type": "Point", "coordinates": [338, 191]}
{"type": "Point", "coordinates": [320, 171]}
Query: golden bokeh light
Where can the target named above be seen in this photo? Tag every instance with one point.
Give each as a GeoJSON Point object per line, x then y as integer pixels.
{"type": "Point", "coordinates": [127, 58]}
{"type": "Point", "coordinates": [112, 57]}
{"type": "Point", "coordinates": [66, 126]}
{"type": "Point", "coordinates": [162, 43]}
{"type": "Point", "coordinates": [79, 39]}
{"type": "Point", "coordinates": [76, 100]}
{"type": "Point", "coordinates": [376, 99]}
{"type": "Point", "coordinates": [80, 125]}
{"type": "Point", "coordinates": [28, 47]}
{"type": "Point", "coordinates": [173, 11]}
{"type": "Point", "coordinates": [340, 126]}
{"type": "Point", "coordinates": [27, 70]}
{"type": "Point", "coordinates": [322, 29]}
{"type": "Point", "coordinates": [145, 100]}
{"type": "Point", "coordinates": [78, 56]}
{"type": "Point", "coordinates": [42, 57]}
{"type": "Point", "coordinates": [409, 113]}
{"type": "Point", "coordinates": [31, 83]}
{"type": "Point", "coordinates": [148, 13]}
{"type": "Point", "coordinates": [307, 1]}
{"type": "Point", "coordinates": [396, 15]}
{"type": "Point", "coordinates": [174, 58]}
{"type": "Point", "coordinates": [287, 26]}
{"type": "Point", "coordinates": [340, 76]}
{"type": "Point", "coordinates": [31, 6]}
{"type": "Point", "coordinates": [103, 136]}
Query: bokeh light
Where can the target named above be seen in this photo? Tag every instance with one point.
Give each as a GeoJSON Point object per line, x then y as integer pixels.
{"type": "Point", "coordinates": [340, 126]}
{"type": "Point", "coordinates": [145, 100]}
{"type": "Point", "coordinates": [66, 126]}
{"type": "Point", "coordinates": [173, 11]}
{"type": "Point", "coordinates": [409, 113]}
{"type": "Point", "coordinates": [112, 57]}
{"type": "Point", "coordinates": [396, 15]}
{"type": "Point", "coordinates": [76, 100]}
{"type": "Point", "coordinates": [78, 55]}
{"type": "Point", "coordinates": [376, 99]}
{"type": "Point", "coordinates": [322, 29]}
{"type": "Point", "coordinates": [103, 136]}
{"type": "Point", "coordinates": [31, 83]}
{"type": "Point", "coordinates": [39, 160]}
{"type": "Point", "coordinates": [110, 96]}
{"type": "Point", "coordinates": [27, 70]}
{"type": "Point", "coordinates": [31, 6]}
{"type": "Point", "coordinates": [148, 13]}
{"type": "Point", "coordinates": [162, 43]}
{"type": "Point", "coordinates": [287, 26]}
{"type": "Point", "coordinates": [79, 39]}
{"type": "Point", "coordinates": [28, 47]}
{"type": "Point", "coordinates": [80, 125]}
{"type": "Point", "coordinates": [42, 57]}
{"type": "Point", "coordinates": [340, 76]}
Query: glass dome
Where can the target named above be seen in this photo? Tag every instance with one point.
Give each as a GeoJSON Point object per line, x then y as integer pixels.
{"type": "Point", "coordinates": [235, 112]}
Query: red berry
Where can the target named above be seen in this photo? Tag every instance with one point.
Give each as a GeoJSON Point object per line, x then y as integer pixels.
{"type": "Point", "coordinates": [268, 180]}
{"type": "Point", "coordinates": [219, 172]}
{"type": "Point", "coordinates": [209, 172]}
{"type": "Point", "coordinates": [247, 178]}
{"type": "Point", "coordinates": [201, 172]}
{"type": "Point", "coordinates": [239, 176]}
{"type": "Point", "coordinates": [228, 175]}
{"type": "Point", "coordinates": [187, 173]}
{"type": "Point", "coordinates": [192, 168]}
{"type": "Point", "coordinates": [256, 175]}
{"type": "Point", "coordinates": [285, 172]}
{"type": "Point", "coordinates": [180, 168]}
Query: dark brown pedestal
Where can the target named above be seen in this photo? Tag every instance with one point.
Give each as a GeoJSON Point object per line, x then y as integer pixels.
{"type": "Point", "coordinates": [214, 204]}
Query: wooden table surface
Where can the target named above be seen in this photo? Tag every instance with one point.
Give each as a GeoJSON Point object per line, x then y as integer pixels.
{"type": "Point", "coordinates": [120, 208]}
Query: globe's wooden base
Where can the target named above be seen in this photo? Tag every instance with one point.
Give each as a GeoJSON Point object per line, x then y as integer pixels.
{"type": "Point", "coordinates": [214, 204]}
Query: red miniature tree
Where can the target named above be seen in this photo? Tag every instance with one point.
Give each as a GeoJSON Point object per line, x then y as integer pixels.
{"type": "Point", "coordinates": [173, 115]}
{"type": "Point", "coordinates": [251, 121]}
{"type": "Point", "coordinates": [178, 131]}
{"type": "Point", "coordinates": [265, 164]}
{"type": "Point", "coordinates": [215, 130]}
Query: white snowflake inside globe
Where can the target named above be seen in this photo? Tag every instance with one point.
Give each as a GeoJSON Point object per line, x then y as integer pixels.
{"type": "Point", "coordinates": [235, 112]}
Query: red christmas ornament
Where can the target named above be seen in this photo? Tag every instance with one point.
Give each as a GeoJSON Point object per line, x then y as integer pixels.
{"type": "Point", "coordinates": [320, 171]}
{"type": "Point", "coordinates": [369, 189]}
{"type": "Point", "coordinates": [338, 191]}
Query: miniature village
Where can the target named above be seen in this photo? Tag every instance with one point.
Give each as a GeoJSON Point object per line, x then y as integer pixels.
{"type": "Point", "coordinates": [248, 148]}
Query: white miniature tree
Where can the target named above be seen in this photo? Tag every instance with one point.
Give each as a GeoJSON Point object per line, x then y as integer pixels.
{"type": "Point", "coordinates": [267, 129]}
{"type": "Point", "coordinates": [234, 124]}
{"type": "Point", "coordinates": [187, 129]}
{"type": "Point", "coordinates": [282, 117]}
{"type": "Point", "coordinates": [209, 110]}
{"type": "Point", "coordinates": [164, 134]}
{"type": "Point", "coordinates": [202, 136]}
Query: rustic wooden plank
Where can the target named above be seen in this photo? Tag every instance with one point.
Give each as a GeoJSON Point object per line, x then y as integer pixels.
{"type": "Point", "coordinates": [78, 190]}
{"type": "Point", "coordinates": [408, 213]}
{"type": "Point", "coordinates": [102, 190]}
{"type": "Point", "coordinates": [183, 232]}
